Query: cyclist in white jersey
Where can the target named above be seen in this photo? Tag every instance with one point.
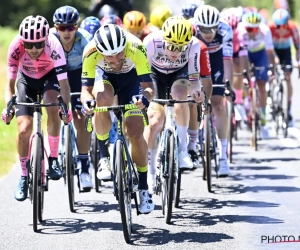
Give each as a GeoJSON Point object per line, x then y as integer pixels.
{"type": "Point", "coordinates": [173, 53]}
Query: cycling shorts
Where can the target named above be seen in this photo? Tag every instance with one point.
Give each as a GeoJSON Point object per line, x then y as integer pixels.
{"type": "Point", "coordinates": [28, 88]}
{"type": "Point", "coordinates": [217, 73]}
{"type": "Point", "coordinates": [125, 85]}
{"type": "Point", "coordinates": [163, 81]}
{"type": "Point", "coordinates": [74, 78]}
{"type": "Point", "coordinates": [285, 57]}
{"type": "Point", "coordinates": [260, 59]}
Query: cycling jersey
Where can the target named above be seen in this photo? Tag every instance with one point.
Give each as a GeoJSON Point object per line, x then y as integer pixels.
{"type": "Point", "coordinates": [51, 57]}
{"type": "Point", "coordinates": [74, 56]}
{"type": "Point", "coordinates": [135, 56]}
{"type": "Point", "coordinates": [221, 45]}
{"type": "Point", "coordinates": [205, 69]}
{"type": "Point", "coordinates": [282, 37]}
{"type": "Point", "coordinates": [158, 59]}
{"type": "Point", "coordinates": [263, 39]}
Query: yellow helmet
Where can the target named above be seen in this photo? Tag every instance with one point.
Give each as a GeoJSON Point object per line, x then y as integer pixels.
{"type": "Point", "coordinates": [134, 20]}
{"type": "Point", "coordinates": [159, 15]}
{"type": "Point", "coordinates": [251, 19]}
{"type": "Point", "coordinates": [177, 30]}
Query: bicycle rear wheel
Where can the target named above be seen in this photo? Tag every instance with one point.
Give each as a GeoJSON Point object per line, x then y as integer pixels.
{"type": "Point", "coordinates": [177, 190]}
{"type": "Point", "coordinates": [124, 190]}
{"type": "Point", "coordinates": [207, 151]}
{"type": "Point", "coordinates": [69, 166]}
{"type": "Point", "coordinates": [254, 119]}
{"type": "Point", "coordinates": [171, 180]}
{"type": "Point", "coordinates": [95, 159]}
{"type": "Point", "coordinates": [37, 177]}
{"type": "Point", "coordinates": [285, 108]}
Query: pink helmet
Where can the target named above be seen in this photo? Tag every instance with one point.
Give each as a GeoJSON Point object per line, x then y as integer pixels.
{"type": "Point", "coordinates": [232, 19]}
{"type": "Point", "coordinates": [111, 19]}
{"type": "Point", "coordinates": [34, 29]}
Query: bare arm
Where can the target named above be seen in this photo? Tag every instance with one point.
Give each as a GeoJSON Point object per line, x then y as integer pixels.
{"type": "Point", "coordinates": [228, 70]}
{"type": "Point", "coordinates": [9, 90]}
{"type": "Point", "coordinates": [65, 90]}
{"type": "Point", "coordinates": [148, 90]}
{"type": "Point", "coordinates": [207, 87]}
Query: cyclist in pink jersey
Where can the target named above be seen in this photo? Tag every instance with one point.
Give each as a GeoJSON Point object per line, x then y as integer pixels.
{"type": "Point", "coordinates": [36, 59]}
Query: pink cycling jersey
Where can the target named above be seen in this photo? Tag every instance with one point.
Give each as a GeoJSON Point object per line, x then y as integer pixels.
{"type": "Point", "coordinates": [52, 57]}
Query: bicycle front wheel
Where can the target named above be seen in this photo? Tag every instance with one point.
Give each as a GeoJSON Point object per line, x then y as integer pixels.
{"type": "Point", "coordinates": [285, 108]}
{"type": "Point", "coordinates": [171, 180]}
{"type": "Point", "coordinates": [69, 166]}
{"type": "Point", "coordinates": [95, 159]}
{"type": "Point", "coordinates": [254, 120]}
{"type": "Point", "coordinates": [207, 147]}
{"type": "Point", "coordinates": [124, 190]}
{"type": "Point", "coordinates": [37, 180]}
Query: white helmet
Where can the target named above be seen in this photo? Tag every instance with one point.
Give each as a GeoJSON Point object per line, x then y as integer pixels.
{"type": "Point", "coordinates": [207, 16]}
{"type": "Point", "coordinates": [110, 39]}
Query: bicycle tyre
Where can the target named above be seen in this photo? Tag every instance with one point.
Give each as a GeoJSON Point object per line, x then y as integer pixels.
{"type": "Point", "coordinates": [177, 190]}
{"type": "Point", "coordinates": [95, 159]}
{"type": "Point", "coordinates": [207, 151]}
{"type": "Point", "coordinates": [124, 190]}
{"type": "Point", "coordinates": [36, 163]}
{"type": "Point", "coordinates": [254, 119]}
{"type": "Point", "coordinates": [69, 166]}
{"type": "Point", "coordinates": [230, 130]}
{"type": "Point", "coordinates": [285, 108]}
{"type": "Point", "coordinates": [41, 192]}
{"type": "Point", "coordinates": [171, 183]}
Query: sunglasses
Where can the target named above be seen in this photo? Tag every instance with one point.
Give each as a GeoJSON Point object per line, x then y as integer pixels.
{"type": "Point", "coordinates": [37, 45]}
{"type": "Point", "coordinates": [66, 27]}
{"type": "Point", "coordinates": [174, 47]}
{"type": "Point", "coordinates": [208, 30]}
{"type": "Point", "coordinates": [250, 29]}
{"type": "Point", "coordinates": [282, 26]}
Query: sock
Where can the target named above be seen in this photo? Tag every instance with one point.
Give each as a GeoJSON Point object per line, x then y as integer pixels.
{"type": "Point", "coordinates": [182, 133]}
{"type": "Point", "coordinates": [193, 135]}
{"type": "Point", "coordinates": [222, 143]}
{"type": "Point", "coordinates": [24, 170]}
{"type": "Point", "coordinates": [53, 145]}
{"type": "Point", "coordinates": [263, 116]}
{"type": "Point", "coordinates": [238, 96]}
{"type": "Point", "coordinates": [142, 171]}
{"type": "Point", "coordinates": [152, 153]}
{"type": "Point", "coordinates": [84, 159]}
{"type": "Point", "coordinates": [103, 145]}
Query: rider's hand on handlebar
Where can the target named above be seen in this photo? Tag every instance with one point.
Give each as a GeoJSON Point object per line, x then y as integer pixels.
{"type": "Point", "coordinates": [10, 116]}
{"type": "Point", "coordinates": [140, 102]}
{"type": "Point", "coordinates": [65, 119]}
{"type": "Point", "coordinates": [198, 95]}
{"type": "Point", "coordinates": [88, 107]}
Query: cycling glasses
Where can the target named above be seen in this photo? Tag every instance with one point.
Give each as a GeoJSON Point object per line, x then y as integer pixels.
{"type": "Point", "coordinates": [174, 47]}
{"type": "Point", "coordinates": [66, 27]}
{"type": "Point", "coordinates": [253, 30]}
{"type": "Point", "coordinates": [282, 26]}
{"type": "Point", "coordinates": [37, 45]}
{"type": "Point", "coordinates": [205, 30]}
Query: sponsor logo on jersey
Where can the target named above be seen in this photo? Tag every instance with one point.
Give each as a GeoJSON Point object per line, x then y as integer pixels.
{"type": "Point", "coordinates": [90, 52]}
{"type": "Point", "coordinates": [196, 62]}
{"type": "Point", "coordinates": [16, 54]}
{"type": "Point", "coordinates": [54, 55]}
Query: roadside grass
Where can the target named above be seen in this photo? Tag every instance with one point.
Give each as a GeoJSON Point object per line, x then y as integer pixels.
{"type": "Point", "coordinates": [7, 133]}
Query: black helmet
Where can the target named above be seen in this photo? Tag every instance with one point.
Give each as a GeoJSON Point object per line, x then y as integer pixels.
{"type": "Point", "coordinates": [66, 15]}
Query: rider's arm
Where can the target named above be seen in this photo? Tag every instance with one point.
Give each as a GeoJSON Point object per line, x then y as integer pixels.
{"type": "Point", "coordinates": [227, 55]}
{"type": "Point", "coordinates": [205, 70]}
{"type": "Point", "coordinates": [60, 66]}
{"type": "Point", "coordinates": [89, 62]}
{"type": "Point", "coordinates": [149, 45]}
{"type": "Point", "coordinates": [269, 46]}
{"type": "Point", "coordinates": [243, 52]}
{"type": "Point", "coordinates": [194, 64]}
{"type": "Point", "coordinates": [296, 39]}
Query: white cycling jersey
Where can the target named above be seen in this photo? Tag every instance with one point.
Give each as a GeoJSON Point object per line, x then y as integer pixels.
{"type": "Point", "coordinates": [158, 59]}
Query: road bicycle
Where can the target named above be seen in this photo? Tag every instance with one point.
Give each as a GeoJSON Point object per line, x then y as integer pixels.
{"type": "Point", "coordinates": [37, 176]}
{"type": "Point", "coordinates": [124, 174]}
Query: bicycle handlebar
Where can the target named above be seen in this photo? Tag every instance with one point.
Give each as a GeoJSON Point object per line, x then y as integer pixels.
{"type": "Point", "coordinates": [126, 107]}
{"type": "Point", "coordinates": [12, 102]}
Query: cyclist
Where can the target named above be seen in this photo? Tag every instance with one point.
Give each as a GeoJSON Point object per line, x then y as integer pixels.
{"type": "Point", "coordinates": [233, 19]}
{"type": "Point", "coordinates": [117, 62]}
{"type": "Point", "coordinates": [36, 59]}
{"type": "Point", "coordinates": [111, 19]}
{"type": "Point", "coordinates": [174, 56]}
{"type": "Point", "coordinates": [283, 29]}
{"type": "Point", "coordinates": [217, 35]}
{"type": "Point", "coordinates": [91, 24]}
{"type": "Point", "coordinates": [159, 15]}
{"type": "Point", "coordinates": [205, 74]}
{"type": "Point", "coordinates": [135, 22]}
{"type": "Point", "coordinates": [257, 46]}
{"type": "Point", "coordinates": [73, 40]}
{"type": "Point", "coordinates": [188, 10]}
